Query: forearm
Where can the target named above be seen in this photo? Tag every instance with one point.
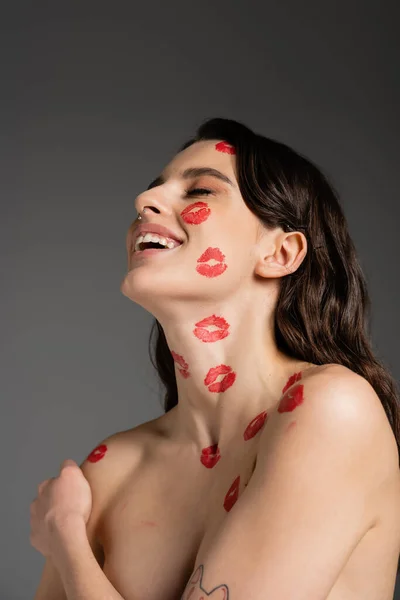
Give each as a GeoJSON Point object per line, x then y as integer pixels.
{"type": "Point", "coordinates": [81, 574]}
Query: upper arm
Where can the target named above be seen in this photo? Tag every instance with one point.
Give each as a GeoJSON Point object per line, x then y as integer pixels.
{"type": "Point", "coordinates": [96, 469]}
{"type": "Point", "coordinates": [307, 505]}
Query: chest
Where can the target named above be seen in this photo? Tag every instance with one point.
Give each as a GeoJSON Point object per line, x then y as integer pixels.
{"type": "Point", "coordinates": [169, 511]}
{"type": "Point", "coordinates": [153, 527]}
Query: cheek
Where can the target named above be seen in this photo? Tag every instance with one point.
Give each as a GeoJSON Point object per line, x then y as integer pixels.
{"type": "Point", "coordinates": [196, 213]}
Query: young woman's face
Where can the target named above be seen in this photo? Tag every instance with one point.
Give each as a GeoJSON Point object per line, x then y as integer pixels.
{"type": "Point", "coordinates": [219, 233]}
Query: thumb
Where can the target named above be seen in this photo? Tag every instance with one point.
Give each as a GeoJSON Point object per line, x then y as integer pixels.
{"type": "Point", "coordinates": [68, 462]}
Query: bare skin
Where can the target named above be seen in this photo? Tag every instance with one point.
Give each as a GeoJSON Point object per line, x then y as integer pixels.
{"type": "Point", "coordinates": [163, 509]}
{"type": "Point", "coordinates": [191, 466]}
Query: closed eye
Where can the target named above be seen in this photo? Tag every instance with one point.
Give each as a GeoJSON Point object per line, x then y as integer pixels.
{"type": "Point", "coordinates": [199, 192]}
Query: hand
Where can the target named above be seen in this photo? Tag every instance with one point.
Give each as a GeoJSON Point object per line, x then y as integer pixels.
{"type": "Point", "coordinates": [59, 499]}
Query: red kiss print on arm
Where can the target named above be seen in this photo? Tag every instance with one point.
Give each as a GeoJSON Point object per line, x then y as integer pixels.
{"type": "Point", "coordinates": [198, 216]}
{"type": "Point", "coordinates": [232, 495]}
{"type": "Point", "coordinates": [211, 336]}
{"type": "Point", "coordinates": [184, 370]}
{"type": "Point", "coordinates": [292, 399]}
{"type": "Point", "coordinates": [255, 425]}
{"type": "Point", "coordinates": [210, 456]}
{"type": "Point", "coordinates": [292, 379]}
{"type": "Point", "coordinates": [97, 454]}
{"type": "Point", "coordinates": [211, 270]}
{"type": "Point", "coordinates": [219, 386]}
{"type": "Point", "coordinates": [225, 147]}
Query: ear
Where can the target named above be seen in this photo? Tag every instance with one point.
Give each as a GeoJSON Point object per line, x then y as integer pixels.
{"type": "Point", "coordinates": [281, 255]}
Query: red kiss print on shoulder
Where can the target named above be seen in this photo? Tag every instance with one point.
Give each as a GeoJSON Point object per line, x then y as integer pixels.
{"type": "Point", "coordinates": [255, 425]}
{"type": "Point", "coordinates": [210, 456]}
{"type": "Point", "coordinates": [225, 147]}
{"type": "Point", "coordinates": [97, 454]}
{"type": "Point", "coordinates": [232, 495]}
{"type": "Point", "coordinates": [292, 379]}
{"type": "Point", "coordinates": [292, 399]}
{"type": "Point", "coordinates": [197, 216]}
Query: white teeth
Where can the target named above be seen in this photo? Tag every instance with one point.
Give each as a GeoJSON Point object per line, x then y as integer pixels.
{"type": "Point", "coordinates": [153, 237]}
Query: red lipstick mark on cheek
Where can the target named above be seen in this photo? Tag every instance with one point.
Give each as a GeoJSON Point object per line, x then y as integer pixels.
{"type": "Point", "coordinates": [97, 454]}
{"type": "Point", "coordinates": [255, 425]}
{"type": "Point", "coordinates": [210, 456]}
{"type": "Point", "coordinates": [225, 147]}
{"type": "Point", "coordinates": [211, 336]}
{"type": "Point", "coordinates": [292, 379]}
{"type": "Point", "coordinates": [183, 367]}
{"type": "Point", "coordinates": [198, 216]}
{"type": "Point", "coordinates": [219, 386]}
{"type": "Point", "coordinates": [211, 270]}
{"type": "Point", "coordinates": [232, 495]}
{"type": "Point", "coordinates": [292, 399]}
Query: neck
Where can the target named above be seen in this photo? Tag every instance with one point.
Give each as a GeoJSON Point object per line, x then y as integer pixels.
{"type": "Point", "coordinates": [215, 408]}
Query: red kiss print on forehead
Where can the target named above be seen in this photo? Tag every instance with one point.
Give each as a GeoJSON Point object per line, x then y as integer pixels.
{"type": "Point", "coordinates": [97, 454]}
{"type": "Point", "coordinates": [184, 371]}
{"type": "Point", "coordinates": [225, 147]}
{"type": "Point", "coordinates": [197, 216]}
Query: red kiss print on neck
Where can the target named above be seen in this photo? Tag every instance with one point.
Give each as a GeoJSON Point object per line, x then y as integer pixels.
{"type": "Point", "coordinates": [97, 454]}
{"type": "Point", "coordinates": [292, 399]}
{"type": "Point", "coordinates": [225, 147]}
{"type": "Point", "coordinates": [232, 495]}
{"type": "Point", "coordinates": [210, 456]}
{"type": "Point", "coordinates": [211, 270]}
{"type": "Point", "coordinates": [184, 371]}
{"type": "Point", "coordinates": [205, 335]}
{"type": "Point", "coordinates": [196, 217]}
{"type": "Point", "coordinates": [219, 386]}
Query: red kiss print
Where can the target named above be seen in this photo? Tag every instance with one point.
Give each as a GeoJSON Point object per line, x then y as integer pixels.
{"type": "Point", "coordinates": [97, 454]}
{"type": "Point", "coordinates": [211, 270]}
{"type": "Point", "coordinates": [292, 379]}
{"type": "Point", "coordinates": [232, 495]}
{"type": "Point", "coordinates": [222, 385]}
{"type": "Point", "coordinates": [196, 217]}
{"type": "Point", "coordinates": [184, 371]}
{"type": "Point", "coordinates": [210, 456]}
{"type": "Point", "coordinates": [211, 336]}
{"type": "Point", "coordinates": [225, 147]}
{"type": "Point", "coordinates": [255, 425]}
{"type": "Point", "coordinates": [292, 399]}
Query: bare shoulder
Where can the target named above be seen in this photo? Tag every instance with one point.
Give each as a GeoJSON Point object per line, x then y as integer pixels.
{"type": "Point", "coordinates": [350, 396]}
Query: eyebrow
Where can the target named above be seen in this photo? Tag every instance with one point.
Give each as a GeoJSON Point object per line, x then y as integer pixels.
{"type": "Point", "coordinates": [194, 172]}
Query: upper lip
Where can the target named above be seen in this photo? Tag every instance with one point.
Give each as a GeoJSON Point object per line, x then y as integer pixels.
{"type": "Point", "coordinates": [144, 228]}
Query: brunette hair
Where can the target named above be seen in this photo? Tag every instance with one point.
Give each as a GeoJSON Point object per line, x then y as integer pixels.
{"type": "Point", "coordinates": [322, 311]}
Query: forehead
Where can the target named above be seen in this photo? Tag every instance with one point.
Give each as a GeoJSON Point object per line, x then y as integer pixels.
{"type": "Point", "coordinates": [202, 154]}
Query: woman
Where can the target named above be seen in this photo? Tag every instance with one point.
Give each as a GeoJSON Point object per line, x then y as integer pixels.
{"type": "Point", "coordinates": [274, 472]}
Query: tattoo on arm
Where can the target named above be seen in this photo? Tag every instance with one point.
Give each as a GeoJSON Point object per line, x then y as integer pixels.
{"type": "Point", "coordinates": [194, 589]}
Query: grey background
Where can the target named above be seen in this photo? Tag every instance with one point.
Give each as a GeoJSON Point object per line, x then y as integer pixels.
{"type": "Point", "coordinates": [95, 100]}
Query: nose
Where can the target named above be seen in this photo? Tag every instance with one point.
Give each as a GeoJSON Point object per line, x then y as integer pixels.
{"type": "Point", "coordinates": [152, 201]}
